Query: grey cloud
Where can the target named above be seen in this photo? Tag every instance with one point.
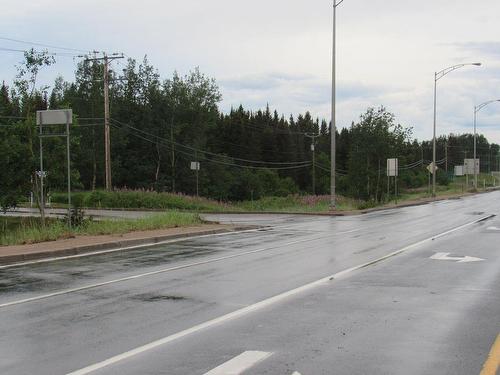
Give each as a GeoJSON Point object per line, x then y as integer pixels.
{"type": "Point", "coordinates": [487, 48]}
{"type": "Point", "coordinates": [266, 81]}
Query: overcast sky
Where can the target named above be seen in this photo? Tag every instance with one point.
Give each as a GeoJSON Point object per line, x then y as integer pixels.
{"type": "Point", "coordinates": [279, 51]}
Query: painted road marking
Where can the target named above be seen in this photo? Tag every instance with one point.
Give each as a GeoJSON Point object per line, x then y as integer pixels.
{"type": "Point", "coordinates": [255, 307]}
{"type": "Point", "coordinates": [164, 270]}
{"type": "Point", "coordinates": [493, 229]}
{"type": "Point", "coordinates": [446, 256]}
{"type": "Point", "coordinates": [240, 363]}
{"type": "Point", "coordinates": [492, 363]}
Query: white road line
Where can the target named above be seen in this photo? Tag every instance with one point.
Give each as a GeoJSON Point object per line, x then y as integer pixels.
{"type": "Point", "coordinates": [152, 273]}
{"type": "Point", "coordinates": [238, 364]}
{"type": "Point", "coordinates": [101, 252]}
{"type": "Point", "coordinates": [255, 307]}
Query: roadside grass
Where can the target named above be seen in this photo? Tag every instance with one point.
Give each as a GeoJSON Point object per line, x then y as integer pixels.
{"type": "Point", "coordinates": [140, 199]}
{"type": "Point", "coordinates": [296, 203]}
{"type": "Point", "coordinates": [19, 231]}
{"type": "Point", "coordinates": [144, 199]}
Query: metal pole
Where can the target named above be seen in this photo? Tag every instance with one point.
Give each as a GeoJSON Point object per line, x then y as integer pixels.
{"type": "Point", "coordinates": [429, 187]}
{"type": "Point", "coordinates": [333, 130]}
{"type": "Point", "coordinates": [197, 180]}
{"type": "Point", "coordinates": [388, 188]}
{"type": "Point", "coordinates": [42, 198]}
{"type": "Point", "coordinates": [197, 168]}
{"type": "Point", "coordinates": [489, 161]}
{"type": "Point", "coordinates": [475, 154]}
{"type": "Point", "coordinates": [313, 147]}
{"type": "Point", "coordinates": [396, 188]}
{"type": "Point", "coordinates": [433, 168]}
{"type": "Point", "coordinates": [69, 170]}
{"type": "Point", "coordinates": [107, 143]}
{"type": "Point", "coordinates": [446, 156]}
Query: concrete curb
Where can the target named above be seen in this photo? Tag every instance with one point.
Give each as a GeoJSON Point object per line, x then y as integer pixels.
{"type": "Point", "coordinates": [16, 258]}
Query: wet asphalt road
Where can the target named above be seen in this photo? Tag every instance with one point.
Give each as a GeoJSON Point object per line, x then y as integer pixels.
{"type": "Point", "coordinates": [408, 314]}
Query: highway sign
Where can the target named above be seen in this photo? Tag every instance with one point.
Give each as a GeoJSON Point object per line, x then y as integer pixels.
{"type": "Point", "coordinates": [392, 167]}
{"type": "Point", "coordinates": [469, 166]}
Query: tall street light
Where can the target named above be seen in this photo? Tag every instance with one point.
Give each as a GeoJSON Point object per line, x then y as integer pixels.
{"type": "Point", "coordinates": [333, 127]}
{"type": "Point", "coordinates": [477, 108]}
{"type": "Point", "coordinates": [437, 77]}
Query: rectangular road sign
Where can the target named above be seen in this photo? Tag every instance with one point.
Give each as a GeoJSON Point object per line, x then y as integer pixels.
{"type": "Point", "coordinates": [392, 167]}
{"type": "Point", "coordinates": [469, 166]}
{"type": "Point", "coordinates": [54, 117]}
{"type": "Point", "coordinates": [459, 170]}
{"type": "Point", "coordinates": [195, 165]}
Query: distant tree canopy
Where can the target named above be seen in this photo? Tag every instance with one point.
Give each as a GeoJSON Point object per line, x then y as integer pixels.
{"type": "Point", "coordinates": [159, 126]}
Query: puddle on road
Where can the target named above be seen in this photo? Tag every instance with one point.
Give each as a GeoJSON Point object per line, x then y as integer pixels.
{"type": "Point", "coordinates": [152, 297]}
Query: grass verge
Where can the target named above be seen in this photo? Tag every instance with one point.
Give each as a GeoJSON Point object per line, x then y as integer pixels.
{"type": "Point", "coordinates": [19, 231]}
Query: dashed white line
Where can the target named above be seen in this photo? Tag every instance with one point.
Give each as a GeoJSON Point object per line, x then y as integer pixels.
{"type": "Point", "coordinates": [239, 364]}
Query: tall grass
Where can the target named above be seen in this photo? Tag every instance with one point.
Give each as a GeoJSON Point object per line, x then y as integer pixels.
{"type": "Point", "coordinates": [140, 199]}
{"type": "Point", "coordinates": [18, 231]}
{"type": "Point", "coordinates": [296, 203]}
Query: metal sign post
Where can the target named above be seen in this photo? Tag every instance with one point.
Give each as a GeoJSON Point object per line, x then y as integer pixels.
{"type": "Point", "coordinates": [471, 167]}
{"type": "Point", "coordinates": [393, 171]}
{"type": "Point", "coordinates": [195, 166]}
{"type": "Point", "coordinates": [55, 117]}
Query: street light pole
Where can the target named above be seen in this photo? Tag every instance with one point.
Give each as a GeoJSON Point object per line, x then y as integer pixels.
{"type": "Point", "coordinates": [477, 108]}
{"type": "Point", "coordinates": [333, 127]}
{"type": "Point", "coordinates": [437, 77]}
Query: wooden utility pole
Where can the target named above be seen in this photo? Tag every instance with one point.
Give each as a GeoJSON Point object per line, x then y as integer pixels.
{"type": "Point", "coordinates": [313, 137]}
{"type": "Point", "coordinates": [107, 140]}
{"type": "Point", "coordinates": [107, 136]}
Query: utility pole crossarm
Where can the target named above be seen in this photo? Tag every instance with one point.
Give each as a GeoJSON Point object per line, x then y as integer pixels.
{"type": "Point", "coordinates": [107, 136]}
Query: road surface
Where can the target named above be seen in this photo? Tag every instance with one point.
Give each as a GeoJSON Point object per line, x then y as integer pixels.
{"type": "Point", "coordinates": [406, 291]}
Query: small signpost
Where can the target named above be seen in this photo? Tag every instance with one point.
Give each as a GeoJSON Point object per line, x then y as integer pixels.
{"type": "Point", "coordinates": [195, 166]}
{"type": "Point", "coordinates": [459, 170]}
{"type": "Point", "coordinates": [393, 171]}
{"type": "Point", "coordinates": [470, 169]}
{"type": "Point", "coordinates": [432, 168]}
{"type": "Point", "coordinates": [54, 117]}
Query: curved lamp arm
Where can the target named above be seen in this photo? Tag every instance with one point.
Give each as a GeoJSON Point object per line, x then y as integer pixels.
{"type": "Point", "coordinates": [450, 69]}
{"type": "Point", "coordinates": [481, 106]}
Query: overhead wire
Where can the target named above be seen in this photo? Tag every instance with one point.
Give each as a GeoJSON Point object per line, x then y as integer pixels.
{"type": "Point", "coordinates": [191, 156]}
{"type": "Point", "coordinates": [208, 152]}
{"type": "Point", "coordinates": [42, 44]}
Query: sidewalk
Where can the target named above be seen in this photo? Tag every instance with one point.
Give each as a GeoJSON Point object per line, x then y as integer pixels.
{"type": "Point", "coordinates": [86, 244]}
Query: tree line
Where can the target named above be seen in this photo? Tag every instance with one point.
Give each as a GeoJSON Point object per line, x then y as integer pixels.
{"type": "Point", "coordinates": [159, 126]}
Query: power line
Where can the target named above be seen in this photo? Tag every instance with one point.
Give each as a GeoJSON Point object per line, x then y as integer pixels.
{"type": "Point", "coordinates": [191, 156]}
{"type": "Point", "coordinates": [208, 152]}
{"type": "Point", "coordinates": [42, 44]}
{"type": "Point", "coordinates": [63, 54]}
